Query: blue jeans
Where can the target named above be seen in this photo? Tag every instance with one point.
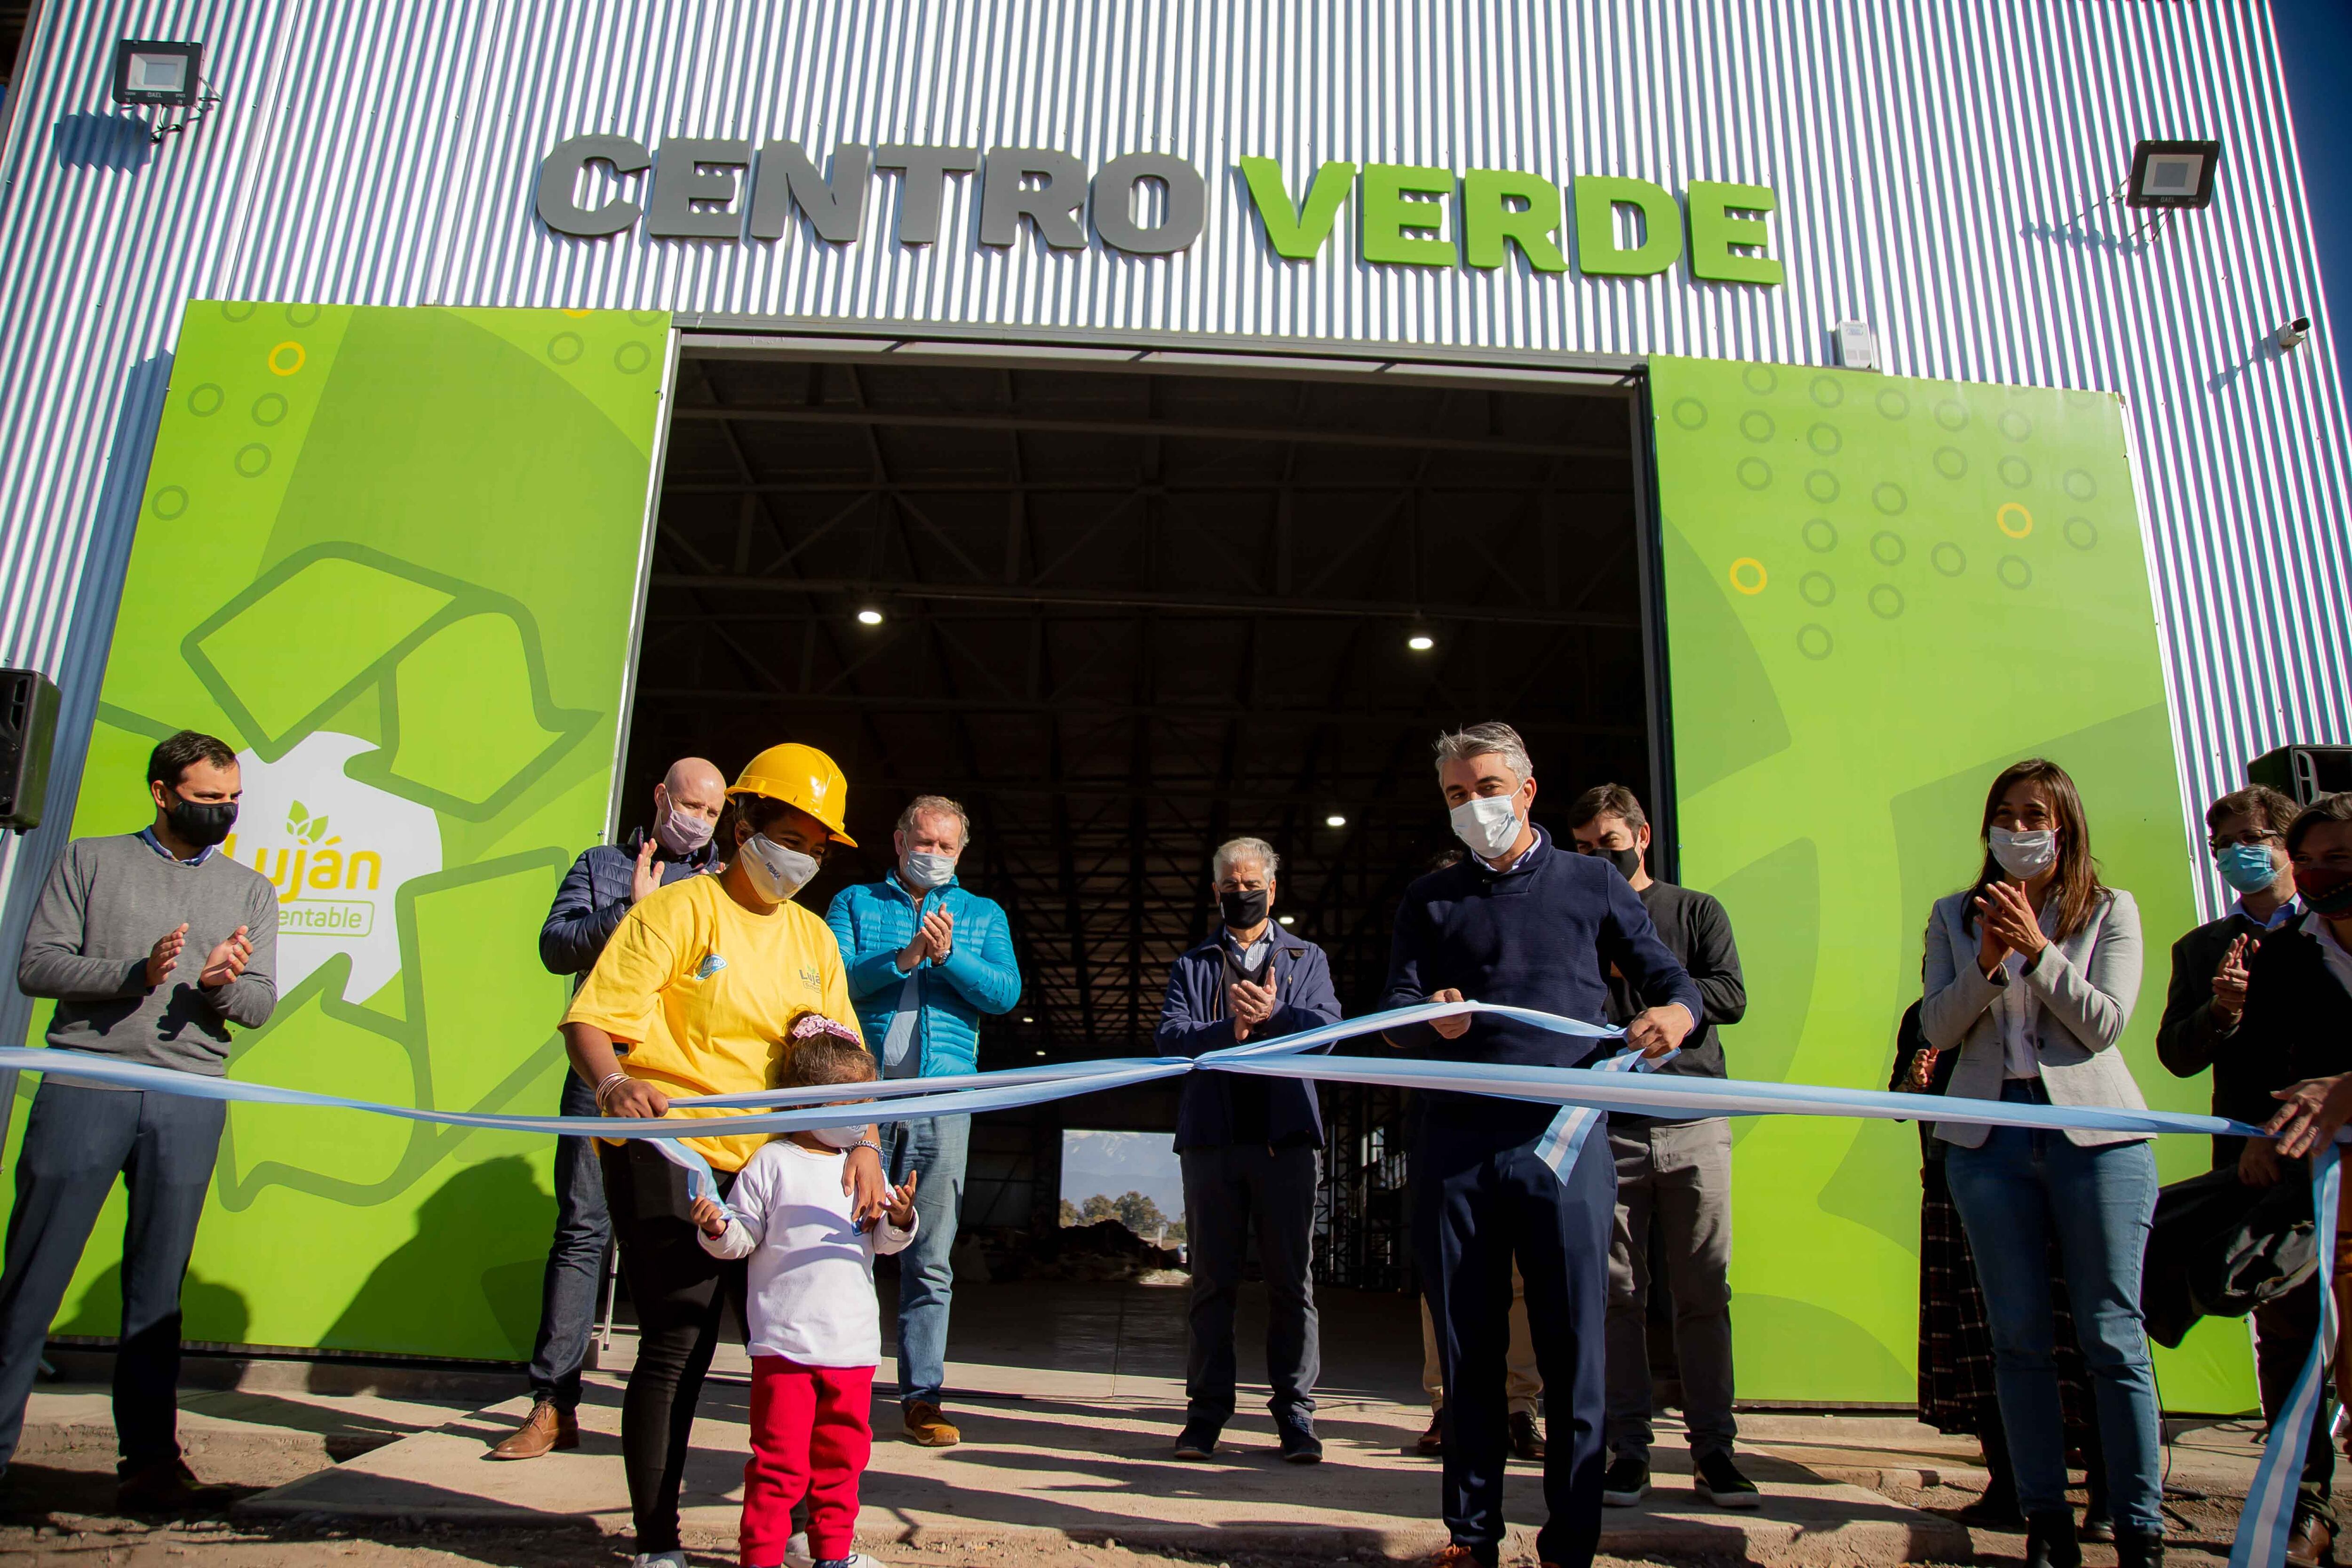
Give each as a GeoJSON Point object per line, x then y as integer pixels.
{"type": "Point", "coordinates": [2016, 1191]}
{"type": "Point", "coordinates": [934, 1149]}
{"type": "Point", "coordinates": [575, 1262]}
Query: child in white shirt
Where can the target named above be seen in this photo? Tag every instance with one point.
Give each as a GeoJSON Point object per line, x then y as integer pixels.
{"type": "Point", "coordinates": [816, 1331]}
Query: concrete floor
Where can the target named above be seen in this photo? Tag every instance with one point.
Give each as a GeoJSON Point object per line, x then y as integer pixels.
{"type": "Point", "coordinates": [1069, 1395]}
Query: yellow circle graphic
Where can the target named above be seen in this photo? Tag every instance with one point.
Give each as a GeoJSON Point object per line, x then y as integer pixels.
{"type": "Point", "coordinates": [2001, 520]}
{"type": "Point", "coordinates": [1748, 564]}
{"type": "Point", "coordinates": [278, 355]}
{"type": "Point", "coordinates": [576, 314]}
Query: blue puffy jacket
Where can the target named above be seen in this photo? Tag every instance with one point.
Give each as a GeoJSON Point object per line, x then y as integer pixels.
{"type": "Point", "coordinates": [594, 899]}
{"type": "Point", "coordinates": [874, 921]}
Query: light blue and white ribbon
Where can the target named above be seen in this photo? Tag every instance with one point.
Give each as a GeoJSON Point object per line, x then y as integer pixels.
{"type": "Point", "coordinates": [1620, 1083]}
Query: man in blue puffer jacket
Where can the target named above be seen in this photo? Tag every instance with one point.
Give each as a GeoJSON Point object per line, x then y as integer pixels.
{"type": "Point", "coordinates": [926, 959]}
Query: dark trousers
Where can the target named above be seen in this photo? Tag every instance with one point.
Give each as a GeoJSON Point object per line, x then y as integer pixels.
{"type": "Point", "coordinates": [1480, 1199]}
{"type": "Point", "coordinates": [2282, 1334]}
{"type": "Point", "coordinates": [681, 1294]}
{"type": "Point", "coordinates": [575, 1262]}
{"type": "Point", "coordinates": [1230, 1190]}
{"type": "Point", "coordinates": [76, 1141]}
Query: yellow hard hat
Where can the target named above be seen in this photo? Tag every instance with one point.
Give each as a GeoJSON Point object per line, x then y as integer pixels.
{"type": "Point", "coordinates": [800, 776]}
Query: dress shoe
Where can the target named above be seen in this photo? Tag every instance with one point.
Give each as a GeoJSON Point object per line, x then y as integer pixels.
{"type": "Point", "coordinates": [1527, 1438]}
{"type": "Point", "coordinates": [1457, 1555]}
{"type": "Point", "coordinates": [2310, 1543]}
{"type": "Point", "coordinates": [2139, 1548]}
{"type": "Point", "coordinates": [1433, 1442]}
{"type": "Point", "coordinates": [545, 1427]}
{"type": "Point", "coordinates": [167, 1487]}
{"type": "Point", "coordinates": [926, 1426]}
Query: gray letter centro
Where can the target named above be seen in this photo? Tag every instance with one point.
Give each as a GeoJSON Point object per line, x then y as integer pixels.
{"type": "Point", "coordinates": [707, 189]}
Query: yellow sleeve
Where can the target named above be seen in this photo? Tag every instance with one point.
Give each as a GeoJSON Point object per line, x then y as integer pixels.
{"type": "Point", "coordinates": [622, 992]}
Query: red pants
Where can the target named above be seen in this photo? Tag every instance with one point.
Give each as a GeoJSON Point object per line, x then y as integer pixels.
{"type": "Point", "coordinates": [810, 1437]}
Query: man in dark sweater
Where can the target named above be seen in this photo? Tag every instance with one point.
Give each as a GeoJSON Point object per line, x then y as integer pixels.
{"type": "Point", "coordinates": [153, 944]}
{"type": "Point", "coordinates": [1676, 1173]}
{"type": "Point", "coordinates": [1524, 923]}
{"type": "Point", "coordinates": [2204, 1007]}
{"type": "Point", "coordinates": [597, 893]}
{"type": "Point", "coordinates": [1251, 1149]}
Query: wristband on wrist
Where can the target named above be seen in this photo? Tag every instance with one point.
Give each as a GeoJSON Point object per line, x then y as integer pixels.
{"type": "Point", "coordinates": [867, 1144]}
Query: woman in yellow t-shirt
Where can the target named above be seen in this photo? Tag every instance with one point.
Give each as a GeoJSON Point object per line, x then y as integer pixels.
{"type": "Point", "coordinates": [693, 996]}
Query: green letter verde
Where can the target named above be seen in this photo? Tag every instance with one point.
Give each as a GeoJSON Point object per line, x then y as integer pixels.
{"type": "Point", "coordinates": [1714, 231]}
{"type": "Point", "coordinates": [1296, 235]}
{"type": "Point", "coordinates": [1387, 216]}
{"type": "Point", "coordinates": [1487, 220]}
{"type": "Point", "coordinates": [1597, 198]}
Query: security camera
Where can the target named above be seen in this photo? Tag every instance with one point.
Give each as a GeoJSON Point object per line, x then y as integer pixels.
{"type": "Point", "coordinates": [2295, 331]}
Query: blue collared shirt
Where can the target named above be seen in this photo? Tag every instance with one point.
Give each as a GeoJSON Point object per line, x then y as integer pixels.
{"type": "Point", "coordinates": [147, 836]}
{"type": "Point", "coordinates": [2279, 916]}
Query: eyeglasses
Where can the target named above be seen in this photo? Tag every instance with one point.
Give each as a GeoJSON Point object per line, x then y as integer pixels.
{"type": "Point", "coordinates": [2252, 837]}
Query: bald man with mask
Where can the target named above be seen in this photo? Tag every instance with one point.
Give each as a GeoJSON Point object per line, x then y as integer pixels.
{"type": "Point", "coordinates": [597, 893]}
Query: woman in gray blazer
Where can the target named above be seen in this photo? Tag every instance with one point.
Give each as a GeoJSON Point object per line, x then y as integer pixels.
{"type": "Point", "coordinates": [2032, 975]}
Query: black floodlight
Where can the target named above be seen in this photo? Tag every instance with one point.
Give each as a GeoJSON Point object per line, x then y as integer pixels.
{"type": "Point", "coordinates": [149, 74]}
{"type": "Point", "coordinates": [2172, 174]}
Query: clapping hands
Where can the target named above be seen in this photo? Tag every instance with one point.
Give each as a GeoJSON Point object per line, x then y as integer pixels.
{"type": "Point", "coordinates": [1249, 1005]}
{"type": "Point", "coordinates": [934, 939]}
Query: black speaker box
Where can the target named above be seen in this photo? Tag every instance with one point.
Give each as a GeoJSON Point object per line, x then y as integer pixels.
{"type": "Point", "coordinates": [2305, 772]}
{"type": "Point", "coordinates": [28, 723]}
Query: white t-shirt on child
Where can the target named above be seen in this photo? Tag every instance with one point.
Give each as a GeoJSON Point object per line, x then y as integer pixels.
{"type": "Point", "coordinates": [811, 1298]}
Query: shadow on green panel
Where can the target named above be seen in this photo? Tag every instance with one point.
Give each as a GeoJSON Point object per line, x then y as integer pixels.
{"type": "Point", "coordinates": [210, 1311]}
{"type": "Point", "coordinates": [494, 1215]}
{"type": "Point", "coordinates": [1818, 1356]}
{"type": "Point", "coordinates": [1726, 716]}
{"type": "Point", "coordinates": [1877, 1184]}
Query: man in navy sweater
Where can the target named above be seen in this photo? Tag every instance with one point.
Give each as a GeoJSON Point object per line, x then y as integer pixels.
{"type": "Point", "coordinates": [1531, 925]}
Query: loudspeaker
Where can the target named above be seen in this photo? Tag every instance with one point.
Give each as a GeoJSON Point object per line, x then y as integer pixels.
{"type": "Point", "coordinates": [28, 723]}
{"type": "Point", "coordinates": [2307, 772]}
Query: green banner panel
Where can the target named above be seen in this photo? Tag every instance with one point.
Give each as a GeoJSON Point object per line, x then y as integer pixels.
{"type": "Point", "coordinates": [391, 555]}
{"type": "Point", "coordinates": [1878, 592]}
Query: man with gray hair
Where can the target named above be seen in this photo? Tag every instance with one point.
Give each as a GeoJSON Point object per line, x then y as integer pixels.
{"type": "Point", "coordinates": [1251, 1149]}
{"type": "Point", "coordinates": [925, 958]}
{"type": "Point", "coordinates": [1524, 923]}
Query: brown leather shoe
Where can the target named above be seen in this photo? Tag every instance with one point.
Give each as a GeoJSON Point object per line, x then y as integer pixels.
{"type": "Point", "coordinates": [1433, 1442]}
{"type": "Point", "coordinates": [544, 1428]}
{"type": "Point", "coordinates": [1454, 1555]}
{"type": "Point", "coordinates": [1527, 1438]}
{"type": "Point", "coordinates": [2310, 1543]}
{"type": "Point", "coordinates": [926, 1426]}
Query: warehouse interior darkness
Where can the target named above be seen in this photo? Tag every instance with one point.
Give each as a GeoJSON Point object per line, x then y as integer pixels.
{"type": "Point", "coordinates": [1123, 609]}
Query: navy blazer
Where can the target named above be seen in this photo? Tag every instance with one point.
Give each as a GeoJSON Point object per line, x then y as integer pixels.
{"type": "Point", "coordinates": [1540, 935]}
{"type": "Point", "coordinates": [1192, 1019]}
{"type": "Point", "coordinates": [594, 899]}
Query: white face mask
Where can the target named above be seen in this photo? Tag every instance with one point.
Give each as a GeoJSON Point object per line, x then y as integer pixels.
{"type": "Point", "coordinates": [776, 871]}
{"type": "Point", "coordinates": [1489, 824]}
{"type": "Point", "coordinates": [680, 832]}
{"type": "Point", "coordinates": [2025, 856]}
{"type": "Point", "coordinates": [924, 871]}
{"type": "Point", "coordinates": [838, 1137]}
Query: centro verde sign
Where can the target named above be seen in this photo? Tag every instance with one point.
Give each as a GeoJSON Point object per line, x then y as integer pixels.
{"type": "Point", "coordinates": [1405, 214]}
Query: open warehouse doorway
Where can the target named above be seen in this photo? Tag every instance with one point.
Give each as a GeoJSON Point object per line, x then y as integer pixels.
{"type": "Point", "coordinates": [1124, 608]}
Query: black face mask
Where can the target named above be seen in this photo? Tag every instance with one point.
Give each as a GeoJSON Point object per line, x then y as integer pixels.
{"type": "Point", "coordinates": [203, 822]}
{"type": "Point", "coordinates": [1627, 861]}
{"type": "Point", "coordinates": [1242, 910]}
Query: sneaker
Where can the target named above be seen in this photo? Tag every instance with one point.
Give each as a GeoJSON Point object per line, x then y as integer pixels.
{"type": "Point", "coordinates": [1720, 1482]}
{"type": "Point", "coordinates": [544, 1429]}
{"type": "Point", "coordinates": [675, 1559]}
{"type": "Point", "coordinates": [1198, 1440]}
{"type": "Point", "coordinates": [1627, 1481]}
{"type": "Point", "coordinates": [1300, 1446]}
{"type": "Point", "coordinates": [796, 1551]}
{"type": "Point", "coordinates": [927, 1427]}
{"type": "Point", "coordinates": [1527, 1438]}
{"type": "Point", "coordinates": [1432, 1443]}
{"type": "Point", "coordinates": [854, 1560]}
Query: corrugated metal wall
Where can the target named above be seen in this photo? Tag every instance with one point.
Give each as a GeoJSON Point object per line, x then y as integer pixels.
{"type": "Point", "coordinates": [1934, 163]}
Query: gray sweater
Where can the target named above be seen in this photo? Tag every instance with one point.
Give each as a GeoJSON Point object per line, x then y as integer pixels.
{"type": "Point", "coordinates": [105, 905]}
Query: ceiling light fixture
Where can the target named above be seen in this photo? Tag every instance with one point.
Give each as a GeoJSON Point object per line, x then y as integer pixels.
{"type": "Point", "coordinates": [1420, 636]}
{"type": "Point", "coordinates": [869, 616]}
{"type": "Point", "coordinates": [1285, 920]}
{"type": "Point", "coordinates": [1335, 820]}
